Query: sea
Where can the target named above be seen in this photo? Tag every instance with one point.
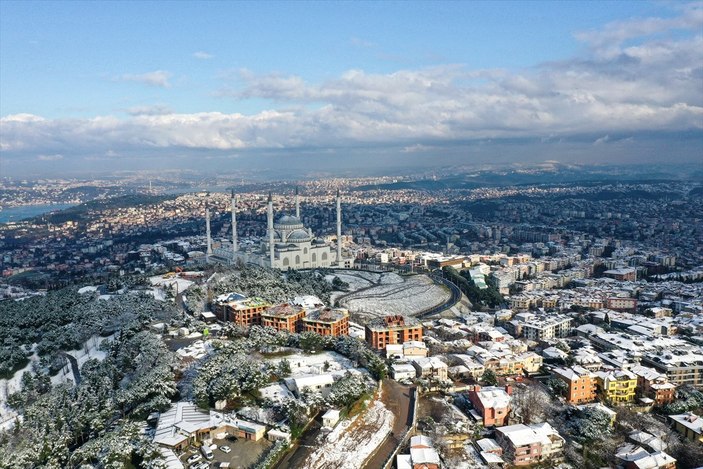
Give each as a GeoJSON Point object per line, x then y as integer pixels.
{"type": "Point", "coordinates": [28, 211]}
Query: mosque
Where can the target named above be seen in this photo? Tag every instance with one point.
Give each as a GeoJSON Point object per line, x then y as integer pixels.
{"type": "Point", "coordinates": [288, 243]}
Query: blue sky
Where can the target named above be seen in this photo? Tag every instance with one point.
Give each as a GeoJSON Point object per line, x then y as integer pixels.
{"type": "Point", "coordinates": [256, 76]}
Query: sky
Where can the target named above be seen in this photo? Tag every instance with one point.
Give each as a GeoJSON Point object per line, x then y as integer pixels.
{"type": "Point", "coordinates": [106, 86]}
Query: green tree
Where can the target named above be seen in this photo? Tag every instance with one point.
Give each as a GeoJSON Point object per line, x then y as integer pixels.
{"type": "Point", "coordinates": [489, 378]}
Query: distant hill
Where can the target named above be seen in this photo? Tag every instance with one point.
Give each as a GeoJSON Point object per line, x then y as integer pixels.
{"type": "Point", "coordinates": [80, 212]}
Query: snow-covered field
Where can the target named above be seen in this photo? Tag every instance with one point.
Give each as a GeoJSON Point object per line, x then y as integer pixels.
{"type": "Point", "coordinates": [394, 295]}
{"type": "Point", "coordinates": [353, 441]}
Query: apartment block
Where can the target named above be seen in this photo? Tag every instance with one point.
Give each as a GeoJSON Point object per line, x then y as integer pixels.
{"type": "Point", "coordinates": [241, 310]}
{"type": "Point", "coordinates": [524, 445]}
{"type": "Point", "coordinates": [616, 387]}
{"type": "Point", "coordinates": [581, 384]}
{"type": "Point", "coordinates": [284, 317]}
{"type": "Point", "coordinates": [327, 321]}
{"type": "Point", "coordinates": [654, 385]}
{"type": "Point", "coordinates": [395, 329]}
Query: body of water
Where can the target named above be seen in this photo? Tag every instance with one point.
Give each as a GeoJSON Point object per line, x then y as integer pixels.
{"type": "Point", "coordinates": [29, 211]}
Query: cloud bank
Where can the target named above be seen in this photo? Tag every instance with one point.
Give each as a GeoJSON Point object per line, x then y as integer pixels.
{"type": "Point", "coordinates": [635, 78]}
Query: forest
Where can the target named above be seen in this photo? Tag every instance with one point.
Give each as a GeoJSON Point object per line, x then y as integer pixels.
{"type": "Point", "coordinates": [64, 320]}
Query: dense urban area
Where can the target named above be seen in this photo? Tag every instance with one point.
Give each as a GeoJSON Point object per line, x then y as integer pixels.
{"type": "Point", "coordinates": [546, 317]}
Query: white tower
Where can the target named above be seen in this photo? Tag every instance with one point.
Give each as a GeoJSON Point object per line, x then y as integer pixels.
{"type": "Point", "coordinates": [339, 229]}
{"type": "Point", "coordinates": [234, 225]}
{"type": "Point", "coordinates": [270, 229]}
{"type": "Point", "coordinates": [297, 204]}
{"type": "Point", "coordinates": [207, 233]}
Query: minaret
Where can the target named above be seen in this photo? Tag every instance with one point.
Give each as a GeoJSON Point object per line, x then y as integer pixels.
{"type": "Point", "coordinates": [297, 204]}
{"type": "Point", "coordinates": [234, 226]}
{"type": "Point", "coordinates": [339, 229]}
{"type": "Point", "coordinates": [207, 232]}
{"type": "Point", "coordinates": [270, 228]}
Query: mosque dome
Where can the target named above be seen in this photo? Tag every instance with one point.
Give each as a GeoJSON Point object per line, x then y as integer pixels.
{"type": "Point", "coordinates": [299, 235]}
{"type": "Point", "coordinates": [288, 222]}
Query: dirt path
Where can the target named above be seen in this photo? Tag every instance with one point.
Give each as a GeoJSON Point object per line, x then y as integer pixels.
{"type": "Point", "coordinates": [397, 399]}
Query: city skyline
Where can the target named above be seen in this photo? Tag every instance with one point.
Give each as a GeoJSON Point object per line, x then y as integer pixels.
{"type": "Point", "coordinates": [111, 86]}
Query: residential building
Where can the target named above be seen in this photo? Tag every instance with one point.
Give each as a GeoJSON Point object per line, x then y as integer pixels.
{"type": "Point", "coordinates": [624, 274]}
{"type": "Point", "coordinates": [431, 367]}
{"type": "Point", "coordinates": [541, 327]}
{"type": "Point", "coordinates": [635, 457]}
{"type": "Point", "coordinates": [241, 311]}
{"type": "Point", "coordinates": [284, 317]}
{"type": "Point", "coordinates": [327, 321]}
{"type": "Point", "coordinates": [422, 455]}
{"type": "Point", "coordinates": [581, 384]}
{"type": "Point", "coordinates": [401, 371]}
{"type": "Point", "coordinates": [621, 304]}
{"type": "Point", "coordinates": [310, 383]}
{"type": "Point", "coordinates": [689, 425]}
{"type": "Point", "coordinates": [654, 385]}
{"type": "Point", "coordinates": [184, 424]}
{"type": "Point", "coordinates": [491, 403]}
{"type": "Point", "coordinates": [680, 366]}
{"type": "Point", "coordinates": [395, 329]}
{"type": "Point", "coordinates": [529, 444]}
{"type": "Point", "coordinates": [616, 387]}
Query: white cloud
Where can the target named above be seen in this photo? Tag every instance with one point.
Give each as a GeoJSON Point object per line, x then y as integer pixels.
{"type": "Point", "coordinates": [158, 78]}
{"type": "Point", "coordinates": [607, 40]}
{"type": "Point", "coordinates": [651, 86]}
{"type": "Point", "coordinates": [50, 157]}
{"type": "Point", "coordinates": [602, 140]}
{"type": "Point", "coordinates": [201, 55]}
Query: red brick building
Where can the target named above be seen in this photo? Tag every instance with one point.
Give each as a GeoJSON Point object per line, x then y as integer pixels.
{"type": "Point", "coordinates": [284, 317]}
{"type": "Point", "coordinates": [327, 321]}
{"type": "Point", "coordinates": [392, 330]}
{"type": "Point", "coordinates": [242, 311]}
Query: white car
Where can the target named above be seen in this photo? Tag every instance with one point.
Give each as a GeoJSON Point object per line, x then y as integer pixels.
{"type": "Point", "coordinates": [225, 449]}
{"type": "Point", "coordinates": [193, 458]}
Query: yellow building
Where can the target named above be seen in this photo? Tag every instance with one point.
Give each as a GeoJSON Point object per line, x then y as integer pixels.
{"type": "Point", "coordinates": [689, 425]}
{"type": "Point", "coordinates": [616, 387]}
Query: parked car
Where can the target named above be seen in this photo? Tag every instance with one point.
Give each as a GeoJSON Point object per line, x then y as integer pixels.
{"type": "Point", "coordinates": [225, 449]}
{"type": "Point", "coordinates": [194, 457]}
{"type": "Point", "coordinates": [207, 452]}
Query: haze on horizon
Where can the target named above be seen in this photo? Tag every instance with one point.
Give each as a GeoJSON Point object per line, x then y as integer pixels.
{"type": "Point", "coordinates": [108, 86]}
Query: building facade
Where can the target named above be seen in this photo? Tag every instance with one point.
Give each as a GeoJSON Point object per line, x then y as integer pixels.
{"type": "Point", "coordinates": [581, 384]}
{"type": "Point", "coordinates": [492, 404]}
{"type": "Point", "coordinates": [243, 312]}
{"type": "Point", "coordinates": [524, 445]}
{"type": "Point", "coordinates": [616, 387]}
{"type": "Point", "coordinates": [395, 329]}
{"type": "Point", "coordinates": [284, 317]}
{"type": "Point", "coordinates": [327, 321]}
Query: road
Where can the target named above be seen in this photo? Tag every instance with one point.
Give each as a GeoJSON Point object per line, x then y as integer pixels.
{"type": "Point", "coordinates": [74, 367]}
{"type": "Point", "coordinates": [397, 399]}
{"type": "Point", "coordinates": [305, 447]}
{"type": "Point", "coordinates": [453, 299]}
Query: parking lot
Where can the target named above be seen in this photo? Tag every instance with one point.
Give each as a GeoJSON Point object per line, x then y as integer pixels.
{"type": "Point", "coordinates": [244, 453]}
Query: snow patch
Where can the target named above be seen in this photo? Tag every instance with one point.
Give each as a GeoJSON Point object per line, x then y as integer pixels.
{"type": "Point", "coordinates": [353, 441]}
